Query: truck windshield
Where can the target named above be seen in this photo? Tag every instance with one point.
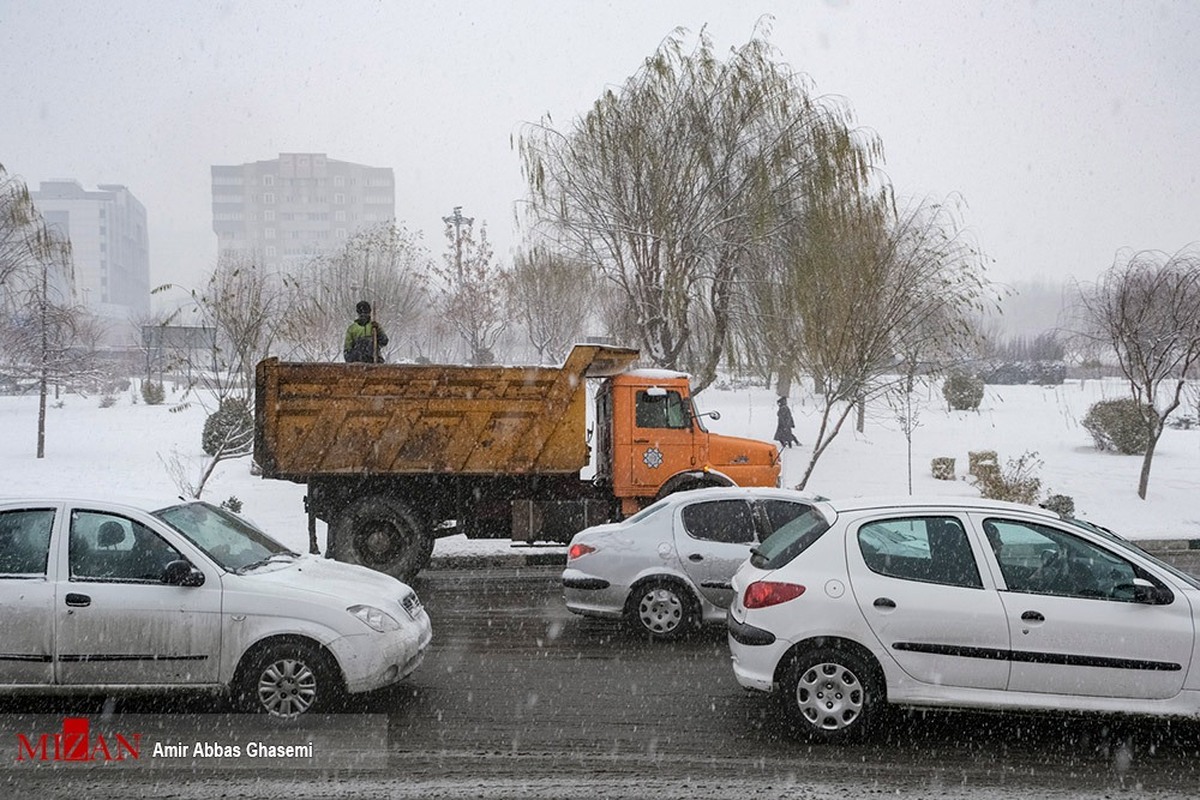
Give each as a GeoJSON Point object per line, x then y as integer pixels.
{"type": "Point", "coordinates": [661, 409]}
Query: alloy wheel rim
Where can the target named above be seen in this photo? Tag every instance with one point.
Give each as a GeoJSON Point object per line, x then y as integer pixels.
{"type": "Point", "coordinates": [287, 688]}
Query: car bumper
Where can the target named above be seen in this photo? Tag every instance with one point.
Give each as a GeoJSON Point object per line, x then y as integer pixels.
{"type": "Point", "coordinates": [373, 660]}
{"type": "Point", "coordinates": [755, 654]}
{"type": "Point", "coordinates": [592, 595]}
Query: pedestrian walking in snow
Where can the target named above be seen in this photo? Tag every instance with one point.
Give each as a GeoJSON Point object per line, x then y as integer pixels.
{"type": "Point", "coordinates": [783, 430]}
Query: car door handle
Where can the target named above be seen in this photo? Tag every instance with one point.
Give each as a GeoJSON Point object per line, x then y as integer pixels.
{"type": "Point", "coordinates": [695, 557]}
{"type": "Point", "coordinates": [78, 600]}
{"type": "Point", "coordinates": [884, 602]}
{"type": "Point", "coordinates": [1033, 616]}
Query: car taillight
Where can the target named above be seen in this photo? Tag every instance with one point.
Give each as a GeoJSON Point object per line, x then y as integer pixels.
{"type": "Point", "coordinates": [761, 594]}
{"type": "Point", "coordinates": [577, 550]}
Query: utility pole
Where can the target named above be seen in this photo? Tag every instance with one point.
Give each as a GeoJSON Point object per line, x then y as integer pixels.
{"type": "Point", "coordinates": [458, 220]}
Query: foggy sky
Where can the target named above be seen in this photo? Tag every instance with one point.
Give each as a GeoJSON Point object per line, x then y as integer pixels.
{"type": "Point", "coordinates": [1069, 129]}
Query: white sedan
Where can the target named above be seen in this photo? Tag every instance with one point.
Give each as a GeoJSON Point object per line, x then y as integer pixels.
{"type": "Point", "coordinates": [667, 568]}
{"type": "Point", "coordinates": [960, 603]}
{"type": "Point", "coordinates": [109, 597]}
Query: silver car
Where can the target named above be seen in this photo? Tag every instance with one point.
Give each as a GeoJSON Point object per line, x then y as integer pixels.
{"type": "Point", "coordinates": [960, 603]}
{"type": "Point", "coordinates": [99, 596]}
{"type": "Point", "coordinates": [667, 568]}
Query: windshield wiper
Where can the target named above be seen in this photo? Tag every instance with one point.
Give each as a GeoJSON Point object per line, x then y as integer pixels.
{"type": "Point", "coordinates": [262, 562]}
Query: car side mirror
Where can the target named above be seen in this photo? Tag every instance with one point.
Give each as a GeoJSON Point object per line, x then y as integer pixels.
{"type": "Point", "coordinates": [182, 573]}
{"type": "Point", "coordinates": [1146, 592]}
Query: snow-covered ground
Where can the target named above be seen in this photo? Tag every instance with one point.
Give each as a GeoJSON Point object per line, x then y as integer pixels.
{"type": "Point", "coordinates": [123, 450]}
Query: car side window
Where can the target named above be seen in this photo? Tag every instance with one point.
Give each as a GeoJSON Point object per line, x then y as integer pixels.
{"type": "Point", "coordinates": [107, 547]}
{"type": "Point", "coordinates": [25, 542]}
{"type": "Point", "coordinates": [927, 549]}
{"type": "Point", "coordinates": [728, 521]}
{"type": "Point", "coordinates": [666, 410]}
{"type": "Point", "coordinates": [1039, 559]}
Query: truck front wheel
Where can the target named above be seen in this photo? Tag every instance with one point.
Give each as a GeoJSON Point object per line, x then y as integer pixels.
{"type": "Point", "coordinates": [384, 534]}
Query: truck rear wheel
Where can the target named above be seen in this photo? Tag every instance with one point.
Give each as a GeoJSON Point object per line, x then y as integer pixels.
{"type": "Point", "coordinates": [384, 534]}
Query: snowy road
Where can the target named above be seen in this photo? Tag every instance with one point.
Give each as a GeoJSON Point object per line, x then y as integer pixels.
{"type": "Point", "coordinates": [520, 699]}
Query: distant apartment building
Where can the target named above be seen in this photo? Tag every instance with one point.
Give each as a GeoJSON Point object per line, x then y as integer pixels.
{"type": "Point", "coordinates": [110, 248]}
{"type": "Point", "coordinates": [286, 210]}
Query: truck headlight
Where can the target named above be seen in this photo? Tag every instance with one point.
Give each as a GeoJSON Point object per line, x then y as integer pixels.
{"type": "Point", "coordinates": [375, 618]}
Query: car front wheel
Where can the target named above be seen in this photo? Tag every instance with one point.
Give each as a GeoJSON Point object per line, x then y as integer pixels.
{"type": "Point", "coordinates": [286, 680]}
{"type": "Point", "coordinates": [831, 694]}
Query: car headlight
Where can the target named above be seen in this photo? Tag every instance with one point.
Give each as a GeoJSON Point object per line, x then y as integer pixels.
{"type": "Point", "coordinates": [375, 618]}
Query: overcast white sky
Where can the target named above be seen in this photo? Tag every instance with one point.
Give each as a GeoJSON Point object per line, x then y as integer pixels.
{"type": "Point", "coordinates": [1070, 128]}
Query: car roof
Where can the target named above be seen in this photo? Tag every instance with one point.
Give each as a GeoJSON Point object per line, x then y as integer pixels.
{"type": "Point", "coordinates": [876, 502]}
{"type": "Point", "coordinates": [117, 502]}
{"type": "Point", "coordinates": [719, 492]}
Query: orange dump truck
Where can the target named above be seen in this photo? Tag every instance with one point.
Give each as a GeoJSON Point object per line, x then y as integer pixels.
{"type": "Point", "coordinates": [392, 454]}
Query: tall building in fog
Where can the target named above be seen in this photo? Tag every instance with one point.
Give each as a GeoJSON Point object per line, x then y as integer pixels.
{"type": "Point", "coordinates": [288, 209]}
{"type": "Point", "coordinates": [110, 247]}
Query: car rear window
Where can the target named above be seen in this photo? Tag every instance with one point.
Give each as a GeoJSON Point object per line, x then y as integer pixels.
{"type": "Point", "coordinates": [789, 540]}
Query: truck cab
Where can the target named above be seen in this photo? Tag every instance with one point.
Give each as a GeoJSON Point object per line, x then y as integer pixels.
{"type": "Point", "coordinates": [651, 442]}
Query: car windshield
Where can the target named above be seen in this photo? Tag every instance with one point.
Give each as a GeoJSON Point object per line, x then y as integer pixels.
{"type": "Point", "coordinates": [1121, 541]}
{"type": "Point", "coordinates": [789, 541]}
{"type": "Point", "coordinates": [226, 538]}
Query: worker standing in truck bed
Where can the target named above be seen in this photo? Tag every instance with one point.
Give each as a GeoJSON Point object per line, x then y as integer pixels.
{"type": "Point", "coordinates": [365, 338]}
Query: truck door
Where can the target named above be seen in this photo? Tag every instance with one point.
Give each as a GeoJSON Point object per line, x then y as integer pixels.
{"type": "Point", "coordinates": [662, 437]}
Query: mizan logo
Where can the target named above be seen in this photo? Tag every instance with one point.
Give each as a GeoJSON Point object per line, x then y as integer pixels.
{"type": "Point", "coordinates": [75, 743]}
{"type": "Point", "coordinates": [652, 458]}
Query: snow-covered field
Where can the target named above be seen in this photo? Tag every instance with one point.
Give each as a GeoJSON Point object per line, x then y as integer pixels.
{"type": "Point", "coordinates": [121, 451]}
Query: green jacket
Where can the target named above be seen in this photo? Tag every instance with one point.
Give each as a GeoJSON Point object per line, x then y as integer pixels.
{"type": "Point", "coordinates": [364, 342]}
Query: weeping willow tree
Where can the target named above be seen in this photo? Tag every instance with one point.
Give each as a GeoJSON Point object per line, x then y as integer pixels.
{"type": "Point", "coordinates": [671, 183]}
{"type": "Point", "coordinates": [43, 334]}
{"type": "Point", "coordinates": [879, 296]}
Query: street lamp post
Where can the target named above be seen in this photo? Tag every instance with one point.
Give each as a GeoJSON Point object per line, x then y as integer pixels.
{"type": "Point", "coordinates": [458, 220]}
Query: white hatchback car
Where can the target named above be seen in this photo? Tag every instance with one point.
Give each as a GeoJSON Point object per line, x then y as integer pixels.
{"type": "Point", "coordinates": [667, 568]}
{"type": "Point", "coordinates": [103, 596]}
{"type": "Point", "coordinates": [960, 603]}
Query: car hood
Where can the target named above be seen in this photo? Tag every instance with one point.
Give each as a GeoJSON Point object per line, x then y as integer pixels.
{"type": "Point", "coordinates": [311, 574]}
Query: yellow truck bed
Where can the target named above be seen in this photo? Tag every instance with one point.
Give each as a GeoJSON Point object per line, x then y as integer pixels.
{"type": "Point", "coordinates": [393, 419]}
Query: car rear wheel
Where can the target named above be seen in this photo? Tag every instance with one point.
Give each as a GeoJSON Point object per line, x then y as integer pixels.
{"type": "Point", "coordinates": [662, 608]}
{"type": "Point", "coordinates": [831, 694]}
{"type": "Point", "coordinates": [286, 680]}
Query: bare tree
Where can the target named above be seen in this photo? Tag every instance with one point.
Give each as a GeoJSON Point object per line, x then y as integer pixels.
{"type": "Point", "coordinates": [385, 265]}
{"type": "Point", "coordinates": [1146, 309]}
{"type": "Point", "coordinates": [244, 304]}
{"type": "Point", "coordinates": [669, 183]}
{"type": "Point", "coordinates": [471, 286]}
{"type": "Point", "coordinates": [552, 296]}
